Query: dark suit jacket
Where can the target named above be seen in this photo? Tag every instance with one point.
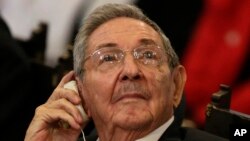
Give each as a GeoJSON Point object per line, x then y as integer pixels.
{"type": "Point", "coordinates": [177, 133]}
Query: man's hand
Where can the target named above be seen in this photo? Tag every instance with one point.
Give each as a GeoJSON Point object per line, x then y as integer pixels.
{"type": "Point", "coordinates": [59, 107]}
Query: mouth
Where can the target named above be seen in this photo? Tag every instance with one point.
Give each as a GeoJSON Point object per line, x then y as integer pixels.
{"type": "Point", "coordinates": [130, 97]}
{"type": "Point", "coordinates": [134, 95]}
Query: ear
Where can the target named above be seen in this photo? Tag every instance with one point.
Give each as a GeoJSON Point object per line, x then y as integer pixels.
{"type": "Point", "coordinates": [179, 79]}
{"type": "Point", "coordinates": [82, 93]}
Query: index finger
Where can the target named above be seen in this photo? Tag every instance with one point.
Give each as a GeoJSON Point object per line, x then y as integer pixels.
{"type": "Point", "coordinates": [66, 78]}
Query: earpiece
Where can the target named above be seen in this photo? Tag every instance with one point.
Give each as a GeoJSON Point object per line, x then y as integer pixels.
{"type": "Point", "coordinates": [72, 86]}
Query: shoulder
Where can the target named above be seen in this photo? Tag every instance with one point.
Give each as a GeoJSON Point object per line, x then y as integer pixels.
{"type": "Point", "coordinates": [192, 134]}
{"type": "Point", "coordinates": [177, 133]}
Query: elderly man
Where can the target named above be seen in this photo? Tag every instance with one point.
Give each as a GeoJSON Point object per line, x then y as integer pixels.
{"type": "Point", "coordinates": [129, 81]}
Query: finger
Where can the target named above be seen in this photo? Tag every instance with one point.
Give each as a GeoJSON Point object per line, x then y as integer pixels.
{"type": "Point", "coordinates": [66, 78]}
{"type": "Point", "coordinates": [67, 106]}
{"type": "Point", "coordinates": [68, 94]}
{"type": "Point", "coordinates": [51, 116]}
{"type": "Point", "coordinates": [61, 115]}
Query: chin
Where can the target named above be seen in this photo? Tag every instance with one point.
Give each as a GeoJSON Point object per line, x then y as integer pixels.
{"type": "Point", "coordinates": [133, 119]}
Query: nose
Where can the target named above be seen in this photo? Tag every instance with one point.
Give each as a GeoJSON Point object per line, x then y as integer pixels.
{"type": "Point", "coordinates": [131, 70]}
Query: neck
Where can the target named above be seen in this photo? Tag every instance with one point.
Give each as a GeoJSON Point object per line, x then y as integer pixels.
{"type": "Point", "coordinates": [122, 134]}
{"type": "Point", "coordinates": [111, 133]}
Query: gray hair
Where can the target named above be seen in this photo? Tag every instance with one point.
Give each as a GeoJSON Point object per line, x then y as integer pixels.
{"type": "Point", "coordinates": [108, 12]}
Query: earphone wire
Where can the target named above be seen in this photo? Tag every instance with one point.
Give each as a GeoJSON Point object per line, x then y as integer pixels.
{"type": "Point", "coordinates": [83, 135]}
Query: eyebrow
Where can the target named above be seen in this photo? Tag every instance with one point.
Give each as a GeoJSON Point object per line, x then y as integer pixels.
{"type": "Point", "coordinates": [146, 41]}
{"type": "Point", "coordinates": [106, 45]}
{"type": "Point", "coordinates": [143, 41]}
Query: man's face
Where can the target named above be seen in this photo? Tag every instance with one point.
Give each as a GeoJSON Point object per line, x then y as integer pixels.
{"type": "Point", "coordinates": [133, 95]}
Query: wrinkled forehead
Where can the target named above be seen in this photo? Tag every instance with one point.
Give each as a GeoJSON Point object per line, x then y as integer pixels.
{"type": "Point", "coordinates": [124, 31]}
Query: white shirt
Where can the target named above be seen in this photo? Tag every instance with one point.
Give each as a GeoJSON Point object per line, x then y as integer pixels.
{"type": "Point", "coordinates": [156, 134]}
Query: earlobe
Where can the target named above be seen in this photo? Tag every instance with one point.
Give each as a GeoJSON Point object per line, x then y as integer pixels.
{"type": "Point", "coordinates": [180, 78]}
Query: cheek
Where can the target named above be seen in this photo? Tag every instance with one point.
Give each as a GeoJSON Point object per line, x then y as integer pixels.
{"type": "Point", "coordinates": [99, 89]}
{"type": "Point", "coordinates": [100, 85]}
{"type": "Point", "coordinates": [163, 73]}
{"type": "Point", "coordinates": [161, 87]}
{"type": "Point", "coordinates": [159, 79]}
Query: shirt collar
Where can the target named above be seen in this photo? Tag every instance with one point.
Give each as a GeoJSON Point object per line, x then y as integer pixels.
{"type": "Point", "coordinates": [157, 133]}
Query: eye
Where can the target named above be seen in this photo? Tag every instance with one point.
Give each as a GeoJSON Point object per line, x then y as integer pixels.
{"type": "Point", "coordinates": [108, 58]}
{"type": "Point", "coordinates": [149, 54]}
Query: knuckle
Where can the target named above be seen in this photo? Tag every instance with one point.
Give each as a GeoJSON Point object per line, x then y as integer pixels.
{"type": "Point", "coordinates": [40, 109]}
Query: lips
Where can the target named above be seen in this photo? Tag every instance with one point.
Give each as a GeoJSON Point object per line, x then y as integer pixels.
{"type": "Point", "coordinates": [131, 96]}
